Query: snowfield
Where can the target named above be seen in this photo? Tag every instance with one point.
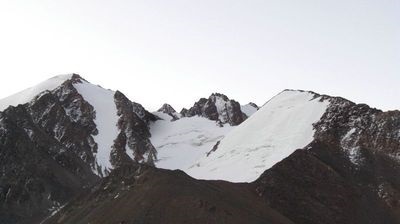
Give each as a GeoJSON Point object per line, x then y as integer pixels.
{"type": "Point", "coordinates": [106, 120]}
{"type": "Point", "coordinates": [182, 142]}
{"type": "Point", "coordinates": [276, 130]}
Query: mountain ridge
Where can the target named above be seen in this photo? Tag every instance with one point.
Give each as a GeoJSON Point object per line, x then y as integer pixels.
{"type": "Point", "coordinates": [302, 154]}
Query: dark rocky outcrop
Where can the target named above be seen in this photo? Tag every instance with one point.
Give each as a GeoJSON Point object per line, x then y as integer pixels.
{"type": "Point", "coordinates": [134, 135]}
{"type": "Point", "coordinates": [39, 173]}
{"type": "Point", "coordinates": [168, 109]}
{"type": "Point", "coordinates": [143, 114]}
{"type": "Point", "coordinates": [217, 107]}
{"type": "Point", "coordinates": [254, 105]}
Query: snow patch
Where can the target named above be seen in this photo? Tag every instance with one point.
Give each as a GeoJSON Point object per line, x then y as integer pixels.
{"type": "Point", "coordinates": [29, 132]}
{"type": "Point", "coordinates": [355, 155]}
{"type": "Point", "coordinates": [349, 145]}
{"type": "Point", "coordinates": [281, 126]}
{"type": "Point", "coordinates": [221, 105]}
{"type": "Point", "coordinates": [106, 120]}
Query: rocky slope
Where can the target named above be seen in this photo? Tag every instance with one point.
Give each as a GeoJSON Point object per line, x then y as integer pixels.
{"type": "Point", "coordinates": [62, 140]}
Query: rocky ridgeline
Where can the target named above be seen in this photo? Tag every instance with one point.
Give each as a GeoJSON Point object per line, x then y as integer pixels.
{"type": "Point", "coordinates": [168, 109]}
{"type": "Point", "coordinates": [217, 107]}
{"type": "Point", "coordinates": [134, 133]}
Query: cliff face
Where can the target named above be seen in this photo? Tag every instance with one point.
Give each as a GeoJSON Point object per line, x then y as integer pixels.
{"type": "Point", "coordinates": [217, 107]}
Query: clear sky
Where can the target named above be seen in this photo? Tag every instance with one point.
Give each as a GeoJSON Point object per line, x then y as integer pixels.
{"type": "Point", "coordinates": [178, 51]}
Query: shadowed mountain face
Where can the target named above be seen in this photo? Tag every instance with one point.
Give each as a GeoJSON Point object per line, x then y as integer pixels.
{"type": "Point", "coordinates": [142, 194]}
{"type": "Point", "coordinates": [317, 186]}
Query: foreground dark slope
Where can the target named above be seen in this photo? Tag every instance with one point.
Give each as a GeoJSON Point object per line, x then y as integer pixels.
{"type": "Point", "coordinates": [143, 194]}
{"type": "Point", "coordinates": [315, 186]}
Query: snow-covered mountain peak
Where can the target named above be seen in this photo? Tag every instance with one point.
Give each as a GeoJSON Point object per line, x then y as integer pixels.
{"type": "Point", "coordinates": [27, 95]}
{"type": "Point", "coordinates": [103, 127]}
{"type": "Point", "coordinates": [282, 125]}
{"type": "Point", "coordinates": [169, 110]}
{"type": "Point", "coordinates": [166, 108]}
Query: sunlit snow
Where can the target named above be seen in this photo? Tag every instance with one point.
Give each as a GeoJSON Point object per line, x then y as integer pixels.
{"type": "Point", "coordinates": [106, 119]}
{"type": "Point", "coordinates": [281, 126]}
{"type": "Point", "coordinates": [180, 143]}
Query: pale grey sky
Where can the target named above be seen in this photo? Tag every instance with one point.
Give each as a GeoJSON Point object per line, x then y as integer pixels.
{"type": "Point", "coordinates": [178, 51]}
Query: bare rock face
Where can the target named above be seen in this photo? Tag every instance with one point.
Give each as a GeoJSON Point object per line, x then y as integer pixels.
{"type": "Point", "coordinates": [133, 138]}
{"type": "Point", "coordinates": [168, 109]}
{"type": "Point", "coordinates": [64, 115]}
{"type": "Point", "coordinates": [46, 153]}
{"type": "Point", "coordinates": [217, 107]}
{"type": "Point", "coordinates": [142, 113]}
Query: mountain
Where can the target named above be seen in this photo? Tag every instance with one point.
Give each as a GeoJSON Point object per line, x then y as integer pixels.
{"type": "Point", "coordinates": [74, 152]}
{"type": "Point", "coordinates": [337, 162]}
{"type": "Point", "coordinates": [62, 140]}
